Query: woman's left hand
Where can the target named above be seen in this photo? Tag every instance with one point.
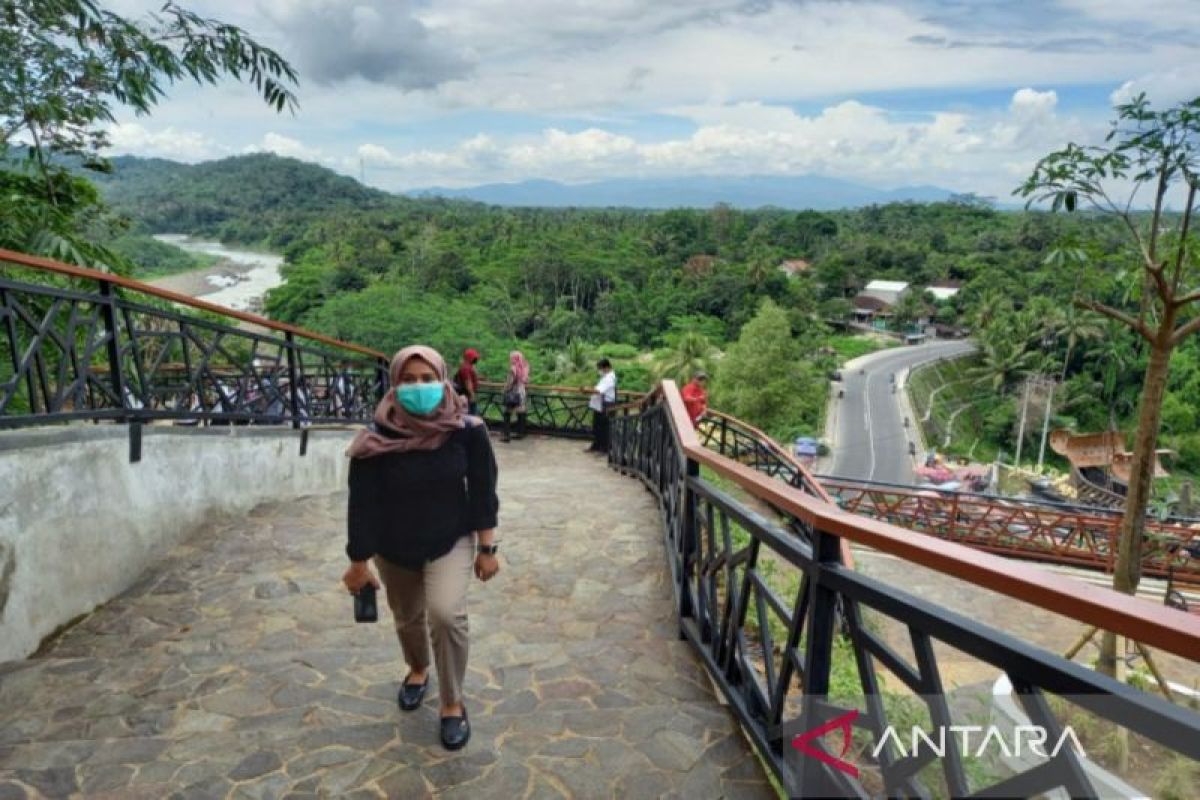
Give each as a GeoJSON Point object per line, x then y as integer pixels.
{"type": "Point", "coordinates": [486, 566]}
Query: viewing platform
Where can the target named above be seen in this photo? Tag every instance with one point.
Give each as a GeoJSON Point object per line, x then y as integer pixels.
{"type": "Point", "coordinates": [234, 667]}
{"type": "Point", "coordinates": [696, 617]}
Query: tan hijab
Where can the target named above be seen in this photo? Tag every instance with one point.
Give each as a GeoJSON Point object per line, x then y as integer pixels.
{"type": "Point", "coordinates": [405, 431]}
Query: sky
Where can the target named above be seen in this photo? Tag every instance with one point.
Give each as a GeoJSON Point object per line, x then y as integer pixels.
{"type": "Point", "coordinates": [961, 94]}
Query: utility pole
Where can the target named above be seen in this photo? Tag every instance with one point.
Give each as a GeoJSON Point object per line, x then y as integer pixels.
{"type": "Point", "coordinates": [1046, 424]}
{"type": "Point", "coordinates": [1021, 430]}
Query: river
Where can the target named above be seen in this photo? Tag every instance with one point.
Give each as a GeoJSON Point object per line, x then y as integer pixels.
{"type": "Point", "coordinates": [240, 280]}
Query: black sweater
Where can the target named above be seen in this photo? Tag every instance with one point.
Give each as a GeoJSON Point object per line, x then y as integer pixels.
{"type": "Point", "coordinates": [412, 507]}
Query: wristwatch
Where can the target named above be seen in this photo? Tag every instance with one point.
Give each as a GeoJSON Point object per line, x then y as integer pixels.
{"type": "Point", "coordinates": [487, 549]}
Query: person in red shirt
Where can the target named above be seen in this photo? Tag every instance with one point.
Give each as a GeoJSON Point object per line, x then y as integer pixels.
{"type": "Point", "coordinates": [466, 380]}
{"type": "Point", "coordinates": [695, 397]}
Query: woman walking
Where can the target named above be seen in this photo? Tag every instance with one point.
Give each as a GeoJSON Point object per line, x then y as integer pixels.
{"type": "Point", "coordinates": [516, 393]}
{"type": "Point", "coordinates": [423, 505]}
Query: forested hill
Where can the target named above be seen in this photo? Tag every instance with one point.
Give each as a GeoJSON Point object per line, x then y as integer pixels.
{"type": "Point", "coordinates": [753, 191]}
{"type": "Point", "coordinates": [165, 195]}
{"type": "Point", "coordinates": [662, 292]}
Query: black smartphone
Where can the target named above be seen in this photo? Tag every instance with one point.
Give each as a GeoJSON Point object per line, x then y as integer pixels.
{"type": "Point", "coordinates": [365, 609]}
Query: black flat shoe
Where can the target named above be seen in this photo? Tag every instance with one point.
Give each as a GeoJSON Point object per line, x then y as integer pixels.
{"type": "Point", "coordinates": [411, 694]}
{"type": "Point", "coordinates": [456, 731]}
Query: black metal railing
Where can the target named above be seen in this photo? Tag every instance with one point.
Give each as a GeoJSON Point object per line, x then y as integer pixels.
{"type": "Point", "coordinates": [774, 648]}
{"type": "Point", "coordinates": [554, 410]}
{"type": "Point", "coordinates": [790, 634]}
{"type": "Point", "coordinates": [748, 445]}
{"type": "Point", "coordinates": [87, 345]}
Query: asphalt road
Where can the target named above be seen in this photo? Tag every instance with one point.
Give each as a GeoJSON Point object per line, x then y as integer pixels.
{"type": "Point", "coordinates": [871, 440]}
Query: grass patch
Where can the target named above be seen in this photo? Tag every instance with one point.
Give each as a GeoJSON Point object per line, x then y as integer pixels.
{"type": "Point", "coordinates": [850, 347]}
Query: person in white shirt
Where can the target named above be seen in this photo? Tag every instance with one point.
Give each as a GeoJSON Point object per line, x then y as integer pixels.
{"type": "Point", "coordinates": [603, 395]}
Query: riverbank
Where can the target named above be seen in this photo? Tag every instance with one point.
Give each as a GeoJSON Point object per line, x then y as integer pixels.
{"type": "Point", "coordinates": [239, 280]}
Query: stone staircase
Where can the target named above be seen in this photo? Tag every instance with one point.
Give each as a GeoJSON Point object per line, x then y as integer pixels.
{"type": "Point", "coordinates": [234, 669]}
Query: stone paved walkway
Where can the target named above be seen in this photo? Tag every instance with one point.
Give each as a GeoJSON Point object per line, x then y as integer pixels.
{"type": "Point", "coordinates": [234, 669]}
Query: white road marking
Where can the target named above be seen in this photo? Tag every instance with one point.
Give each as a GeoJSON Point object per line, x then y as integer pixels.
{"type": "Point", "coordinates": [867, 413]}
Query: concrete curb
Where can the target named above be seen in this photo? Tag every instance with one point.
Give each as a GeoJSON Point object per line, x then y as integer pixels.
{"type": "Point", "coordinates": [906, 405]}
{"type": "Point", "coordinates": [914, 430]}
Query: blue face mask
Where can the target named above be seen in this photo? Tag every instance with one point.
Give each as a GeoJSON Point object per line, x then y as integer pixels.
{"type": "Point", "coordinates": [420, 398]}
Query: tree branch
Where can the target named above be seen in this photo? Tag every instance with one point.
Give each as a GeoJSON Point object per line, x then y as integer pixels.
{"type": "Point", "coordinates": [1159, 193]}
{"type": "Point", "coordinates": [1124, 216]}
{"type": "Point", "coordinates": [1177, 273]}
{"type": "Point", "coordinates": [1185, 330]}
{"type": "Point", "coordinates": [1164, 290]}
{"type": "Point", "coordinates": [1134, 324]}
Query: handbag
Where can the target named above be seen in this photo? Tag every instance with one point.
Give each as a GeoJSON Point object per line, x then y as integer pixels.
{"type": "Point", "coordinates": [512, 397]}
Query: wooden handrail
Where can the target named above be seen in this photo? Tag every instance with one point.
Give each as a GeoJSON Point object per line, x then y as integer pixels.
{"type": "Point", "coordinates": [1149, 623]}
{"type": "Point", "coordinates": [48, 265]}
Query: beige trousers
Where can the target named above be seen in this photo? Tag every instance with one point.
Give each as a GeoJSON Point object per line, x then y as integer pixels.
{"type": "Point", "coordinates": [432, 603]}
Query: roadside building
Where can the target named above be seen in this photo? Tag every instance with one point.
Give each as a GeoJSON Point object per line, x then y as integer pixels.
{"type": "Point", "coordinates": [889, 292]}
{"type": "Point", "coordinates": [874, 305]}
{"type": "Point", "coordinates": [871, 311]}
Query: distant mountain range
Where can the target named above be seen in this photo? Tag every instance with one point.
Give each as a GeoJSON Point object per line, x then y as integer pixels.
{"type": "Point", "coordinates": [800, 192]}
{"type": "Point", "coordinates": [167, 195]}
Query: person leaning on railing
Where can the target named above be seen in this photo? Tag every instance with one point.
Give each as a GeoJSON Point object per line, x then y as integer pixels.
{"type": "Point", "coordinates": [516, 394]}
{"type": "Point", "coordinates": [604, 396]}
{"type": "Point", "coordinates": [423, 505]}
{"type": "Point", "coordinates": [695, 397]}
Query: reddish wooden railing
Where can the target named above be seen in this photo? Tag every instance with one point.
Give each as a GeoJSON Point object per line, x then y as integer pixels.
{"type": "Point", "coordinates": [1150, 623]}
{"type": "Point", "coordinates": [1024, 530]}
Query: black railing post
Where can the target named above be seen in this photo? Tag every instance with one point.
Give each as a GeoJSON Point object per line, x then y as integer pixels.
{"type": "Point", "coordinates": [382, 378]}
{"type": "Point", "coordinates": [14, 349]}
{"type": "Point", "coordinates": [818, 657]}
{"type": "Point", "coordinates": [293, 378]}
{"type": "Point", "coordinates": [108, 310]}
{"type": "Point", "coordinates": [691, 534]}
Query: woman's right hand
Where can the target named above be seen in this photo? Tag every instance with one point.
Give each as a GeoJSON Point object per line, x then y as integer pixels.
{"type": "Point", "coordinates": [358, 575]}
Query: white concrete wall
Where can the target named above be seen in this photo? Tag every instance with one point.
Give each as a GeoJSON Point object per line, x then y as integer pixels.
{"type": "Point", "coordinates": [79, 523]}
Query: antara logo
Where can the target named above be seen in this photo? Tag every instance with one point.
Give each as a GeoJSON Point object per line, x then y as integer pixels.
{"type": "Point", "coordinates": [845, 723]}
{"type": "Point", "coordinates": [1023, 738]}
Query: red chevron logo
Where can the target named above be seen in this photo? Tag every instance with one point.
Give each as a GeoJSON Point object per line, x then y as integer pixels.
{"type": "Point", "coordinates": [846, 724]}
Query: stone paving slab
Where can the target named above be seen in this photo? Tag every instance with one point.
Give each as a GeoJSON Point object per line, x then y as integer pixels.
{"type": "Point", "coordinates": [234, 669]}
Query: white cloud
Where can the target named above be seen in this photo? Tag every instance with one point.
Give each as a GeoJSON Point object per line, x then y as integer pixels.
{"type": "Point", "coordinates": [469, 91]}
{"type": "Point", "coordinates": [285, 146]}
{"type": "Point", "coordinates": [1163, 88]}
{"type": "Point", "coordinates": [983, 152]}
{"type": "Point", "coordinates": [190, 146]}
{"type": "Point", "coordinates": [1031, 103]}
{"type": "Point", "coordinates": [1183, 14]}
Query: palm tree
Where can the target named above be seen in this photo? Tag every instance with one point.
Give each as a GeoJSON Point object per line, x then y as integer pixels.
{"type": "Point", "coordinates": [1046, 318]}
{"type": "Point", "coordinates": [1115, 353]}
{"type": "Point", "coordinates": [573, 360]}
{"type": "Point", "coordinates": [687, 354]}
{"type": "Point", "coordinates": [1002, 361]}
{"type": "Point", "coordinates": [1078, 326]}
{"type": "Point", "coordinates": [991, 304]}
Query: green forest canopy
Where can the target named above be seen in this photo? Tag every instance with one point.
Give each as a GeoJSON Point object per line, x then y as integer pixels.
{"type": "Point", "coordinates": [383, 270]}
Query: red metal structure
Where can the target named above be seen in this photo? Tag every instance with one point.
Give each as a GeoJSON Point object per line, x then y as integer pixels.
{"type": "Point", "coordinates": [1021, 529]}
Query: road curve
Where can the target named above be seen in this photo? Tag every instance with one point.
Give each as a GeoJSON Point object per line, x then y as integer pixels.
{"type": "Point", "coordinates": [870, 441]}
